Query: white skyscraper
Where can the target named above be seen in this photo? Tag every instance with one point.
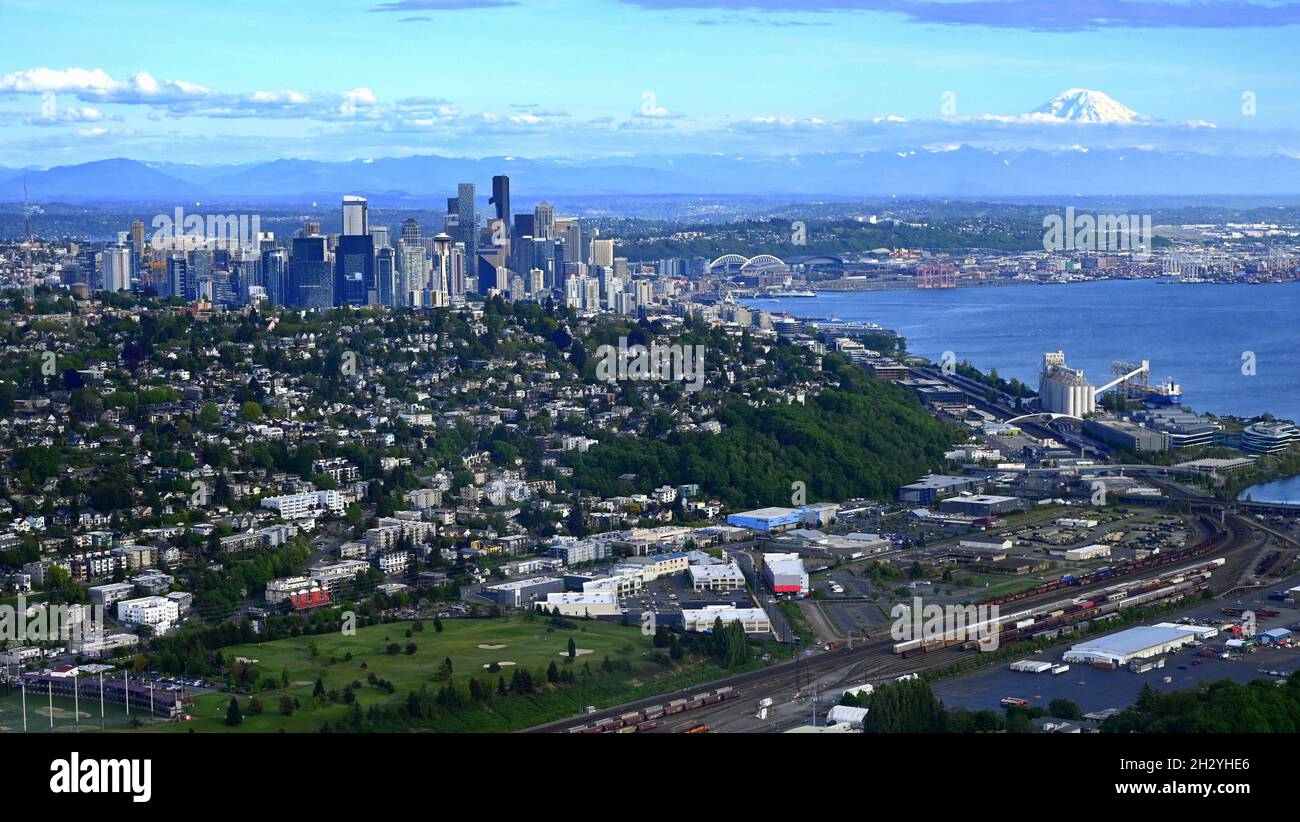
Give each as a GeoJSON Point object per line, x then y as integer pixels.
{"type": "Point", "coordinates": [602, 253]}
{"type": "Point", "coordinates": [117, 269]}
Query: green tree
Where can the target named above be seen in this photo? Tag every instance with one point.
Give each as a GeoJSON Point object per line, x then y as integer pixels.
{"type": "Point", "coordinates": [233, 715]}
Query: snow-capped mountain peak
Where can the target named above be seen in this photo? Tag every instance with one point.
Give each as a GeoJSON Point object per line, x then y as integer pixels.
{"type": "Point", "coordinates": [1081, 105]}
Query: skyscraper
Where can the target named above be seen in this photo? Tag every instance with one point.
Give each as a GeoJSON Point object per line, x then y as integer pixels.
{"type": "Point", "coordinates": [570, 230]}
{"type": "Point", "coordinates": [501, 199]}
{"type": "Point", "coordinates": [386, 280]}
{"type": "Point", "coordinates": [275, 275]}
{"type": "Point", "coordinates": [467, 222]}
{"type": "Point", "coordinates": [179, 282]}
{"type": "Point", "coordinates": [354, 257]}
{"type": "Point", "coordinates": [137, 245]}
{"type": "Point", "coordinates": [117, 269]}
{"type": "Point", "coordinates": [544, 222]}
{"type": "Point", "coordinates": [354, 269]}
{"type": "Point", "coordinates": [311, 283]}
{"type": "Point", "coordinates": [410, 231]}
{"type": "Point", "coordinates": [602, 253]}
{"type": "Point", "coordinates": [356, 216]}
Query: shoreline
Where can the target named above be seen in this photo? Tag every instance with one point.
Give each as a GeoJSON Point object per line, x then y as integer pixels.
{"type": "Point", "coordinates": [803, 315]}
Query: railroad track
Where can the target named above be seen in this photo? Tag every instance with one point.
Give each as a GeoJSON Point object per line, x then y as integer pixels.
{"type": "Point", "coordinates": [874, 659]}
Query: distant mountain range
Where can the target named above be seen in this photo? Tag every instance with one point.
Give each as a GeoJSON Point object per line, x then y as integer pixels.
{"type": "Point", "coordinates": [963, 172]}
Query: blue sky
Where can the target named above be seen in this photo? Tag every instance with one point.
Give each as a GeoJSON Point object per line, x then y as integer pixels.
{"type": "Point", "coordinates": [236, 81]}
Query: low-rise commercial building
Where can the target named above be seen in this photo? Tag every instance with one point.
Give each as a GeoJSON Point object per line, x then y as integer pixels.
{"type": "Point", "coordinates": [581, 604]}
{"type": "Point", "coordinates": [754, 620]}
{"type": "Point", "coordinates": [785, 573]}
{"type": "Point", "coordinates": [523, 593]}
{"type": "Point", "coordinates": [718, 577]}
{"type": "Point", "coordinates": [936, 486]}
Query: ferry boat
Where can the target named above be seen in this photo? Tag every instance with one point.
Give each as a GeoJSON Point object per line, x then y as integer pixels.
{"type": "Point", "coordinates": [796, 293]}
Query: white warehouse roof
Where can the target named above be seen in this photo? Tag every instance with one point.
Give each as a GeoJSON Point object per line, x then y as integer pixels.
{"type": "Point", "coordinates": [1130, 644]}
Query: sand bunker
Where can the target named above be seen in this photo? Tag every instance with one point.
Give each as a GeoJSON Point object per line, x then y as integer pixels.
{"type": "Point", "coordinates": [503, 664]}
{"type": "Point", "coordinates": [61, 713]}
{"type": "Point", "coordinates": [578, 652]}
{"type": "Point", "coordinates": [491, 647]}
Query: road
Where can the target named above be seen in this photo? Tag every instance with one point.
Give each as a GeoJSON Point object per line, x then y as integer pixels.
{"type": "Point", "coordinates": [873, 661]}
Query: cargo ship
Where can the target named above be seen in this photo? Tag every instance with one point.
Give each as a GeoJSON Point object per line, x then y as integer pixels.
{"type": "Point", "coordinates": [1166, 393]}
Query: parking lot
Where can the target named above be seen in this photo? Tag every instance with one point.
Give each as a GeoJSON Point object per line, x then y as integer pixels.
{"type": "Point", "coordinates": [1095, 689]}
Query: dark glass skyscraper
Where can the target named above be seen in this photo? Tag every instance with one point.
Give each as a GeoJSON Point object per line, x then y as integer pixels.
{"type": "Point", "coordinates": [354, 257]}
{"type": "Point", "coordinates": [354, 269]}
{"type": "Point", "coordinates": [467, 222]}
{"type": "Point", "coordinates": [501, 199]}
{"type": "Point", "coordinates": [275, 275]}
{"type": "Point", "coordinates": [311, 283]}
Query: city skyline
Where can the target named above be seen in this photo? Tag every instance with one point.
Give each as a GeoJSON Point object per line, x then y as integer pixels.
{"type": "Point", "coordinates": [783, 77]}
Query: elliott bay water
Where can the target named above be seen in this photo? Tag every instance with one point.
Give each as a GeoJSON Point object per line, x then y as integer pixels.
{"type": "Point", "coordinates": [1198, 334]}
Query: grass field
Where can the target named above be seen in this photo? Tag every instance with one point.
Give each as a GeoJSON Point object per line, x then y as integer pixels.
{"type": "Point", "coordinates": [530, 643]}
{"type": "Point", "coordinates": [38, 714]}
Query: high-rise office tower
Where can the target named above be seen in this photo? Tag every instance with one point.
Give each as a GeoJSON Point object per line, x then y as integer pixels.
{"type": "Point", "coordinates": [523, 226]}
{"type": "Point", "coordinates": [544, 221]}
{"type": "Point", "coordinates": [569, 230]}
{"type": "Point", "coordinates": [467, 218]}
{"type": "Point", "coordinates": [501, 198]}
{"type": "Point", "coordinates": [137, 245]}
{"type": "Point", "coordinates": [381, 235]}
{"type": "Point", "coordinates": [275, 275]}
{"type": "Point", "coordinates": [602, 253]}
{"type": "Point", "coordinates": [117, 269]}
{"type": "Point", "coordinates": [178, 282]}
{"type": "Point", "coordinates": [356, 216]}
{"type": "Point", "coordinates": [311, 279]}
{"type": "Point", "coordinates": [410, 231]}
{"type": "Point", "coordinates": [310, 229]}
{"type": "Point", "coordinates": [414, 268]}
{"type": "Point", "coordinates": [354, 256]}
{"type": "Point", "coordinates": [386, 280]}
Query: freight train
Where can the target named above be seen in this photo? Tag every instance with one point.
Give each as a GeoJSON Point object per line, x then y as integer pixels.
{"type": "Point", "coordinates": [1052, 617]}
{"type": "Point", "coordinates": [1213, 543]}
{"type": "Point", "coordinates": [648, 719]}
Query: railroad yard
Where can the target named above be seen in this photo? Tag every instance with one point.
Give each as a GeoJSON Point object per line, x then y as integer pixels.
{"type": "Point", "coordinates": [1211, 553]}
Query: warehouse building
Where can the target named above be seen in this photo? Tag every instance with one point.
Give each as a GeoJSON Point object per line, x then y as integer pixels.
{"type": "Point", "coordinates": [981, 505]}
{"type": "Point", "coordinates": [936, 486]}
{"type": "Point", "coordinates": [767, 520]}
{"type": "Point", "coordinates": [718, 577]}
{"type": "Point", "coordinates": [1088, 552]}
{"type": "Point", "coordinates": [1135, 643]}
{"type": "Point", "coordinates": [754, 620]}
{"type": "Point", "coordinates": [522, 593]}
{"type": "Point", "coordinates": [574, 604]}
{"type": "Point", "coordinates": [785, 573]}
{"type": "Point", "coordinates": [1128, 436]}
